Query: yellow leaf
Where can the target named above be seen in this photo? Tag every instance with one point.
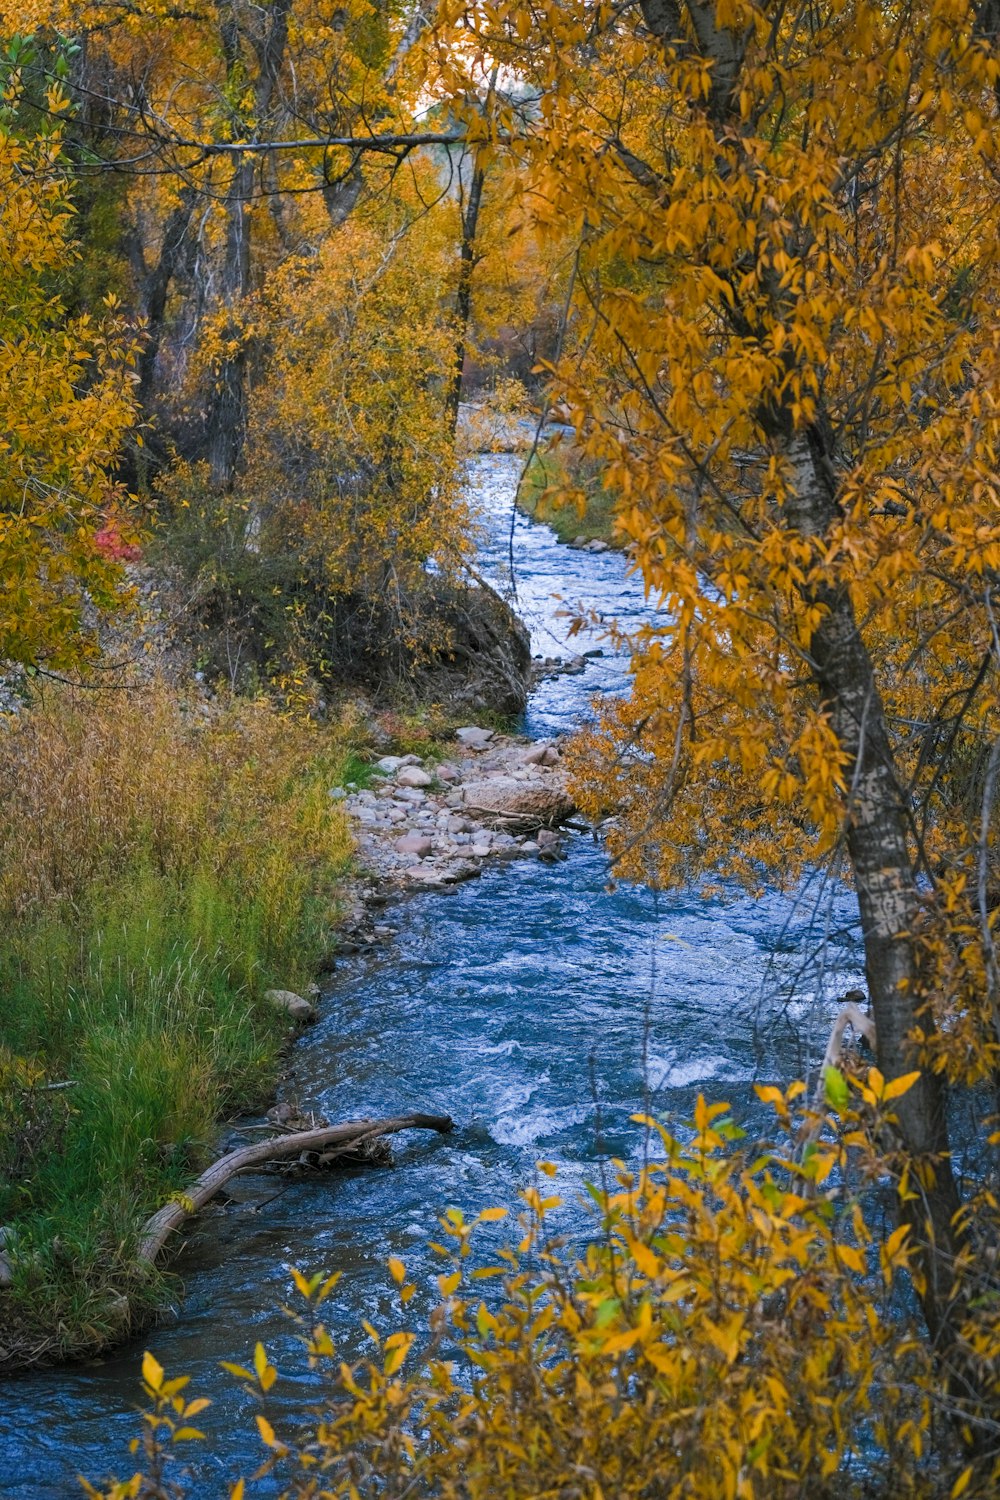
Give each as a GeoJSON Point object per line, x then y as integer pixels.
{"type": "Point", "coordinates": [899, 1086]}
{"type": "Point", "coordinates": [152, 1371]}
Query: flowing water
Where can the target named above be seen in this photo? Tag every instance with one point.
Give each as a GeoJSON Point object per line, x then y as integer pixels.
{"type": "Point", "coordinates": [538, 1006]}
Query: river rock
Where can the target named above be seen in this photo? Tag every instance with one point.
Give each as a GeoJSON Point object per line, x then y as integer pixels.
{"type": "Point", "coordinates": [508, 803]}
{"type": "Point", "coordinates": [415, 843]}
{"type": "Point", "coordinates": [297, 1006]}
{"type": "Point", "coordinates": [414, 776]}
{"type": "Point", "coordinates": [389, 764]}
{"type": "Point", "coordinates": [541, 754]}
{"type": "Point", "coordinates": [482, 850]}
{"type": "Point", "coordinates": [473, 737]}
{"type": "Point", "coordinates": [597, 546]}
{"type": "Point", "coordinates": [6, 1273]}
{"type": "Point", "coordinates": [425, 875]}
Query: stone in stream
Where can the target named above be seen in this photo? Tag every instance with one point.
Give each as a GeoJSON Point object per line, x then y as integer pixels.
{"type": "Point", "coordinates": [426, 875]}
{"type": "Point", "coordinates": [414, 776]}
{"type": "Point", "coordinates": [509, 803]}
{"type": "Point", "coordinates": [482, 850]}
{"type": "Point", "coordinates": [297, 1006]}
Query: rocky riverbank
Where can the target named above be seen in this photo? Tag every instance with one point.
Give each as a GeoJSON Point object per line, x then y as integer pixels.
{"type": "Point", "coordinates": [423, 824]}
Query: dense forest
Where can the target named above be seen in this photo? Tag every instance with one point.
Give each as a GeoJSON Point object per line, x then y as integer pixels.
{"type": "Point", "coordinates": [721, 280]}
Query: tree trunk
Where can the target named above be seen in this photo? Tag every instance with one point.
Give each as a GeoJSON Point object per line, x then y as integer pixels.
{"type": "Point", "coordinates": [888, 899]}
{"type": "Point", "coordinates": [463, 296]}
{"type": "Point", "coordinates": [226, 413]}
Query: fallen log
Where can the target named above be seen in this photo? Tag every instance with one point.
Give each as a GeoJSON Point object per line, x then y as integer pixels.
{"type": "Point", "coordinates": [158, 1228]}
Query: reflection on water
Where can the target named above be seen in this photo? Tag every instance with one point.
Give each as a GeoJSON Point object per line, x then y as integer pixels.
{"type": "Point", "coordinates": [530, 1005]}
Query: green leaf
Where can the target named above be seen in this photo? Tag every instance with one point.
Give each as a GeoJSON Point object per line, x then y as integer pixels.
{"type": "Point", "coordinates": [835, 1087]}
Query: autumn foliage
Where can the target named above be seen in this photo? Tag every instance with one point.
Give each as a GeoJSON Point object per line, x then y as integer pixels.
{"type": "Point", "coordinates": [66, 402]}
{"type": "Point", "coordinates": [733, 1328]}
{"type": "Point", "coordinates": [758, 246]}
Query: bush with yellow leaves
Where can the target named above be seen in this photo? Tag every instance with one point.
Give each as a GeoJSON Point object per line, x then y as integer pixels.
{"type": "Point", "coordinates": [733, 1328]}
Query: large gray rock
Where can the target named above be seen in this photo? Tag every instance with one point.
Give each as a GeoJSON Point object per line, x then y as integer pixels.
{"type": "Point", "coordinates": [414, 776]}
{"type": "Point", "coordinates": [297, 1006]}
{"type": "Point", "coordinates": [507, 803]}
{"type": "Point", "coordinates": [415, 843]}
{"type": "Point", "coordinates": [473, 737]}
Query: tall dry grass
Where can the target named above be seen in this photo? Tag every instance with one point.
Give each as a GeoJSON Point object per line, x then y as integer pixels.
{"type": "Point", "coordinates": [161, 866]}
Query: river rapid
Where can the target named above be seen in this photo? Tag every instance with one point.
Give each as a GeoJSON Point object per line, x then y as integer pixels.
{"type": "Point", "coordinates": [539, 1006]}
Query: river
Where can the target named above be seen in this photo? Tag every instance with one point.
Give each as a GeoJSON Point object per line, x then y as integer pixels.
{"type": "Point", "coordinates": [536, 1006]}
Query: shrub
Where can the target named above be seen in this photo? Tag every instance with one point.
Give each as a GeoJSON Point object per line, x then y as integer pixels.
{"type": "Point", "coordinates": [733, 1328]}
{"type": "Point", "coordinates": [161, 865]}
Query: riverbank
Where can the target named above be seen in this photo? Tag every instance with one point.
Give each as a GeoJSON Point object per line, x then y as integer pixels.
{"type": "Point", "coordinates": [165, 862]}
{"type": "Point", "coordinates": [201, 863]}
{"type": "Point", "coordinates": [567, 494]}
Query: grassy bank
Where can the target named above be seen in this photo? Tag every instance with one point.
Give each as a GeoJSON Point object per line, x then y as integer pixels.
{"type": "Point", "coordinates": [573, 502]}
{"type": "Point", "coordinates": [161, 866]}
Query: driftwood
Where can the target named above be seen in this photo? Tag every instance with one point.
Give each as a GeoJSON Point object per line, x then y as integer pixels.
{"type": "Point", "coordinates": [850, 1014]}
{"type": "Point", "coordinates": [158, 1229]}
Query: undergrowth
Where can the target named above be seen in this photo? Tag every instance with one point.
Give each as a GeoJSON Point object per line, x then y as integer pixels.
{"type": "Point", "coordinates": [161, 866]}
{"type": "Point", "coordinates": [570, 498]}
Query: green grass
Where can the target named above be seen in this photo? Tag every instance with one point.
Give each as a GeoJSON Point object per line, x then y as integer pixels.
{"type": "Point", "coordinates": [575, 504]}
{"type": "Point", "coordinates": [158, 876]}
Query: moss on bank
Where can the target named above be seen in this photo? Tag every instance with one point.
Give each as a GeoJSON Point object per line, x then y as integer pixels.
{"type": "Point", "coordinates": [161, 866]}
{"type": "Point", "coordinates": [572, 500]}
